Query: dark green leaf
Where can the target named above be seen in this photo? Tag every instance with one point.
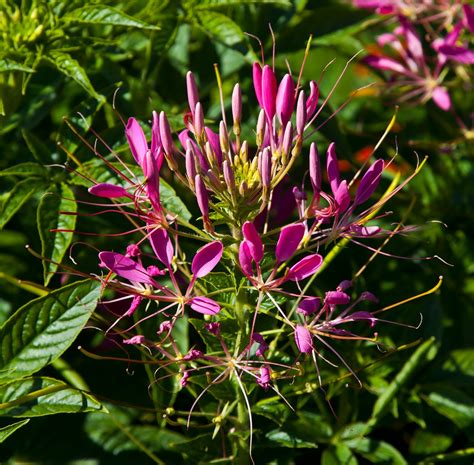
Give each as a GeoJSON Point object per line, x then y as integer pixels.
{"type": "Point", "coordinates": [338, 454]}
{"type": "Point", "coordinates": [453, 404]}
{"type": "Point", "coordinates": [10, 429]}
{"type": "Point", "coordinates": [427, 442]}
{"type": "Point", "coordinates": [38, 396]}
{"type": "Point", "coordinates": [422, 354]}
{"type": "Point", "coordinates": [40, 331]}
{"type": "Point", "coordinates": [172, 202]}
{"type": "Point", "coordinates": [377, 451]}
{"type": "Point", "coordinates": [284, 439]}
{"type": "Point", "coordinates": [25, 169]}
{"type": "Point", "coordinates": [55, 244]}
{"type": "Point", "coordinates": [37, 147]}
{"type": "Point", "coordinates": [70, 67]}
{"type": "Point", "coordinates": [22, 191]}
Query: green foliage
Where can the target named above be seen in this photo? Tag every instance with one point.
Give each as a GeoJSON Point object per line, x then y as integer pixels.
{"type": "Point", "coordinates": [61, 58]}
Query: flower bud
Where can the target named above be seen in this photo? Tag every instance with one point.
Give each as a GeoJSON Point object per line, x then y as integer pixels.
{"type": "Point", "coordinates": [287, 141]}
{"type": "Point", "coordinates": [312, 102]}
{"type": "Point", "coordinates": [237, 107]}
{"type": "Point", "coordinates": [198, 120]}
{"type": "Point", "coordinates": [285, 99]}
{"type": "Point", "coordinates": [201, 196]}
{"type": "Point", "coordinates": [268, 91]}
{"type": "Point", "coordinates": [193, 95]}
{"type": "Point", "coordinates": [300, 114]}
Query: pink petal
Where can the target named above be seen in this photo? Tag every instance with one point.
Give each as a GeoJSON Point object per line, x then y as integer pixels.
{"type": "Point", "coordinates": [162, 246]}
{"type": "Point", "coordinates": [369, 182]}
{"type": "Point", "coordinates": [253, 240]}
{"type": "Point", "coordinates": [134, 305]}
{"type": "Point", "coordinates": [192, 91]}
{"type": "Point", "coordinates": [364, 231]}
{"type": "Point", "coordinates": [305, 267]}
{"type": "Point", "coordinates": [204, 305]}
{"type": "Point", "coordinates": [441, 97]}
{"type": "Point", "coordinates": [412, 39]}
{"type": "Point", "coordinates": [125, 267]}
{"type": "Point", "coordinates": [137, 140]}
{"type": "Point", "coordinates": [384, 63]}
{"type": "Point", "coordinates": [289, 241]}
{"type": "Point", "coordinates": [332, 167]}
{"type": "Point", "coordinates": [309, 305]}
{"type": "Point", "coordinates": [108, 191]}
{"type": "Point", "coordinates": [285, 99]}
{"type": "Point", "coordinates": [269, 91]}
{"type": "Point", "coordinates": [257, 82]}
{"type": "Point", "coordinates": [303, 339]}
{"type": "Point", "coordinates": [469, 17]}
{"type": "Point", "coordinates": [245, 258]}
{"type": "Point", "coordinates": [155, 134]}
{"type": "Point", "coordinates": [135, 340]}
{"type": "Point", "coordinates": [364, 316]}
{"type": "Point", "coordinates": [457, 53]}
{"type": "Point", "coordinates": [315, 169]}
{"type": "Point", "coordinates": [337, 298]}
{"type": "Point", "coordinates": [206, 259]}
{"type": "Point", "coordinates": [213, 139]}
{"type": "Point", "coordinates": [312, 102]}
{"type": "Point", "coordinates": [343, 199]}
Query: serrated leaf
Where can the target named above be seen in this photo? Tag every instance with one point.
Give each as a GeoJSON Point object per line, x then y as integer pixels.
{"type": "Point", "coordinates": [55, 244]}
{"type": "Point", "coordinates": [22, 191]}
{"type": "Point", "coordinates": [95, 14]}
{"type": "Point", "coordinates": [28, 169]}
{"type": "Point", "coordinates": [39, 396]}
{"type": "Point", "coordinates": [40, 331]}
{"type": "Point", "coordinates": [377, 451]}
{"type": "Point", "coordinates": [220, 26]}
{"type": "Point", "coordinates": [7, 64]}
{"type": "Point", "coordinates": [10, 429]}
{"type": "Point", "coordinates": [71, 68]}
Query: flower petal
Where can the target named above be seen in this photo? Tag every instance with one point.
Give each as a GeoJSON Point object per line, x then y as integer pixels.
{"type": "Point", "coordinates": [441, 97]}
{"type": "Point", "coordinates": [108, 191]}
{"type": "Point", "coordinates": [204, 305]}
{"type": "Point", "coordinates": [125, 267]}
{"type": "Point", "coordinates": [303, 339]}
{"type": "Point", "coordinates": [305, 267]}
{"type": "Point", "coordinates": [289, 241]}
{"type": "Point", "coordinates": [253, 240]}
{"type": "Point", "coordinates": [369, 182]}
{"type": "Point", "coordinates": [206, 259]}
{"type": "Point", "coordinates": [136, 140]}
{"type": "Point", "coordinates": [162, 246]}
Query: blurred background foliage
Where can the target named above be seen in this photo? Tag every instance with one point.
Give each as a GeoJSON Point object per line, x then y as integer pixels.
{"type": "Point", "coordinates": [77, 64]}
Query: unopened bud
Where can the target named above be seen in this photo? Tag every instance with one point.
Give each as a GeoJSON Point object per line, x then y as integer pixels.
{"type": "Point", "coordinates": [287, 141]}
{"type": "Point", "coordinates": [198, 120]}
{"type": "Point", "coordinates": [193, 95]}
{"type": "Point", "coordinates": [260, 128]}
{"type": "Point", "coordinates": [223, 137]}
{"type": "Point", "coordinates": [300, 114]}
{"type": "Point", "coordinates": [236, 108]}
{"type": "Point", "coordinates": [228, 176]}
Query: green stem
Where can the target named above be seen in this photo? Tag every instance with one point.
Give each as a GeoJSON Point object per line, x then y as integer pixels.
{"type": "Point", "coordinates": [70, 375]}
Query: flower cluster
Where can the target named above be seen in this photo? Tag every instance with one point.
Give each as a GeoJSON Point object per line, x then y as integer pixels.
{"type": "Point", "coordinates": [236, 185]}
{"type": "Point", "coordinates": [429, 42]}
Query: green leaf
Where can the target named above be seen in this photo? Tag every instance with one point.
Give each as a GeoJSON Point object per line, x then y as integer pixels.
{"type": "Point", "coordinates": [115, 433]}
{"type": "Point", "coordinates": [425, 352]}
{"type": "Point", "coordinates": [284, 439]}
{"type": "Point", "coordinates": [338, 454]}
{"type": "Point", "coordinates": [95, 14]}
{"type": "Point", "coordinates": [25, 169]}
{"type": "Point", "coordinates": [172, 202]}
{"type": "Point", "coordinates": [55, 244]}
{"type": "Point", "coordinates": [22, 191]}
{"type": "Point", "coordinates": [208, 4]}
{"type": "Point", "coordinates": [377, 451]}
{"type": "Point", "coordinates": [453, 404]}
{"type": "Point", "coordinates": [38, 396]}
{"type": "Point", "coordinates": [40, 331]}
{"type": "Point", "coordinates": [37, 147]}
{"type": "Point", "coordinates": [427, 442]}
{"type": "Point", "coordinates": [7, 64]}
{"type": "Point", "coordinates": [10, 429]}
{"type": "Point", "coordinates": [220, 26]}
{"type": "Point", "coordinates": [71, 68]}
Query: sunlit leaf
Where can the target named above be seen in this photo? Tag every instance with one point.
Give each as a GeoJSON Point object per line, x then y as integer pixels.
{"type": "Point", "coordinates": [40, 331]}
